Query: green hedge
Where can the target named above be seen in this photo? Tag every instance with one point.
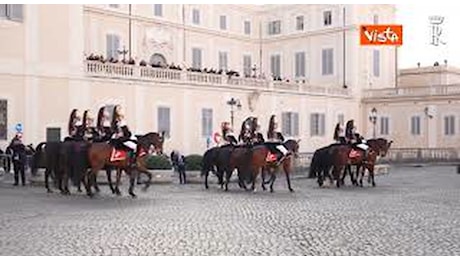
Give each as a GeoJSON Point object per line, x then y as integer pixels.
{"type": "Point", "coordinates": [193, 162]}
{"type": "Point", "coordinates": [158, 163]}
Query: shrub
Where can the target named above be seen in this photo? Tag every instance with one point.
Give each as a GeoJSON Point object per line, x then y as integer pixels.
{"type": "Point", "coordinates": [158, 163]}
{"type": "Point", "coordinates": [193, 162]}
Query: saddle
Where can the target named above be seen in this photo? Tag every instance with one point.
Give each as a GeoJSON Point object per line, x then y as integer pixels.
{"type": "Point", "coordinates": [121, 154]}
{"type": "Point", "coordinates": [354, 154]}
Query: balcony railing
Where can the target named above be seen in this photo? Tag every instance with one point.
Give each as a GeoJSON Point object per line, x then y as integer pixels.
{"type": "Point", "coordinates": [121, 71]}
{"type": "Point", "coordinates": [439, 90]}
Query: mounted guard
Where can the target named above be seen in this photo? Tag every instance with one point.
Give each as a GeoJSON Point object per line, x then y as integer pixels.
{"type": "Point", "coordinates": [75, 126]}
{"type": "Point", "coordinates": [249, 131]}
{"type": "Point", "coordinates": [275, 140]}
{"type": "Point", "coordinates": [354, 138]}
{"type": "Point", "coordinates": [227, 134]}
{"type": "Point", "coordinates": [338, 134]}
{"type": "Point", "coordinates": [103, 125]}
{"type": "Point", "coordinates": [90, 133]}
{"type": "Point", "coordinates": [122, 135]}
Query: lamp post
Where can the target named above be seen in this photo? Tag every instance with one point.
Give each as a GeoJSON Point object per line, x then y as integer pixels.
{"type": "Point", "coordinates": [232, 103]}
{"type": "Point", "coordinates": [373, 119]}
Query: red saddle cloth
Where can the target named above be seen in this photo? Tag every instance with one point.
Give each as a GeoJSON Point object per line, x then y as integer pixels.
{"type": "Point", "coordinates": [118, 155]}
{"type": "Point", "coordinates": [354, 154]}
{"type": "Point", "coordinates": [271, 157]}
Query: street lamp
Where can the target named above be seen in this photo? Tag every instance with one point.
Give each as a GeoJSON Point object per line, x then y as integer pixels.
{"type": "Point", "coordinates": [233, 102]}
{"type": "Point", "coordinates": [373, 119]}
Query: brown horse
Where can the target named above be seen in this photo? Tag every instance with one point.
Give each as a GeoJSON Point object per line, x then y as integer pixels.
{"type": "Point", "coordinates": [259, 162]}
{"type": "Point", "coordinates": [99, 156]}
{"type": "Point", "coordinates": [340, 159]}
{"type": "Point", "coordinates": [381, 147]}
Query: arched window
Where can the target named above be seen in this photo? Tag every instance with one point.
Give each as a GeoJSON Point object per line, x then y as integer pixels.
{"type": "Point", "coordinates": [158, 59]}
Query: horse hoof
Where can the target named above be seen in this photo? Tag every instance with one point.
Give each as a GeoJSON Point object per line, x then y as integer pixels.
{"type": "Point", "coordinates": [263, 188]}
{"type": "Point", "coordinates": [254, 190]}
{"type": "Point", "coordinates": [271, 190]}
{"type": "Point", "coordinates": [132, 195]}
{"type": "Point", "coordinates": [144, 189]}
{"type": "Point", "coordinates": [91, 195]}
{"type": "Point", "coordinates": [49, 191]}
{"type": "Point", "coordinates": [291, 190]}
{"type": "Point", "coordinates": [98, 190]}
{"type": "Point", "coordinates": [373, 184]}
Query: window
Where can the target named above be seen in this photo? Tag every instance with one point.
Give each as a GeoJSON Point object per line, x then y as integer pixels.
{"type": "Point", "coordinates": [300, 64]}
{"type": "Point", "coordinates": [247, 27]}
{"type": "Point", "coordinates": [223, 22]}
{"type": "Point", "coordinates": [158, 9]}
{"type": "Point", "coordinates": [3, 119]}
{"type": "Point", "coordinates": [415, 125]}
{"type": "Point", "coordinates": [196, 58]}
{"type": "Point", "coordinates": [317, 124]}
{"type": "Point", "coordinates": [114, 5]}
{"type": "Point", "coordinates": [11, 12]}
{"type": "Point", "coordinates": [327, 18]}
{"type": "Point", "coordinates": [206, 122]}
{"type": "Point", "coordinates": [274, 27]}
{"type": "Point", "coordinates": [449, 125]}
{"type": "Point", "coordinates": [341, 119]}
{"type": "Point", "coordinates": [113, 45]}
{"type": "Point", "coordinates": [376, 63]}
{"type": "Point", "coordinates": [53, 134]}
{"type": "Point", "coordinates": [223, 61]}
{"type": "Point", "coordinates": [384, 125]}
{"type": "Point", "coordinates": [299, 23]}
{"type": "Point", "coordinates": [247, 65]}
{"type": "Point", "coordinates": [290, 123]}
{"type": "Point", "coordinates": [328, 61]}
{"type": "Point", "coordinates": [164, 121]}
{"type": "Point", "coordinates": [376, 19]}
{"type": "Point", "coordinates": [275, 65]}
{"type": "Point", "coordinates": [196, 16]}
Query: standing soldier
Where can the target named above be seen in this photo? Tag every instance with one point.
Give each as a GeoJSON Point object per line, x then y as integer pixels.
{"type": "Point", "coordinates": [19, 158]}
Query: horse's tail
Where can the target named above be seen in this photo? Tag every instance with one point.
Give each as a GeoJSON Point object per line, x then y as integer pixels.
{"type": "Point", "coordinates": [314, 165]}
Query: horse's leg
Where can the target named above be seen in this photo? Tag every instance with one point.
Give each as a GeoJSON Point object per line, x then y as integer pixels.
{"type": "Point", "coordinates": [142, 169]}
{"type": "Point", "coordinates": [206, 179]}
{"type": "Point", "coordinates": [272, 180]}
{"type": "Point", "coordinates": [254, 173]}
{"type": "Point", "coordinates": [352, 177]}
{"type": "Point", "coordinates": [132, 180]}
{"type": "Point", "coordinates": [371, 173]}
{"type": "Point", "coordinates": [47, 176]}
{"type": "Point", "coordinates": [347, 169]}
{"type": "Point", "coordinates": [117, 184]}
{"type": "Point", "coordinates": [362, 176]}
{"type": "Point", "coordinates": [264, 170]}
{"type": "Point", "coordinates": [287, 171]}
{"type": "Point", "coordinates": [109, 179]}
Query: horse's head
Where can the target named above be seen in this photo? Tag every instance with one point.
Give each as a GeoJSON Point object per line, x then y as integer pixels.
{"type": "Point", "coordinates": [293, 146]}
{"type": "Point", "coordinates": [382, 146]}
{"type": "Point", "coordinates": [385, 146]}
{"type": "Point", "coordinates": [152, 139]}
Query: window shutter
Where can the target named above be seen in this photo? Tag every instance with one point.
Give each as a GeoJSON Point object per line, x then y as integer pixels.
{"type": "Point", "coordinates": [3, 10]}
{"type": "Point", "coordinates": [3, 119]}
{"type": "Point", "coordinates": [323, 62]}
{"type": "Point", "coordinates": [108, 39]}
{"type": "Point", "coordinates": [376, 66]}
{"type": "Point", "coordinates": [16, 12]}
{"type": "Point", "coordinates": [296, 124]}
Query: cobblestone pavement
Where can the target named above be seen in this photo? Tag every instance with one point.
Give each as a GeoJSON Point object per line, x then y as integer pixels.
{"type": "Point", "coordinates": [412, 211]}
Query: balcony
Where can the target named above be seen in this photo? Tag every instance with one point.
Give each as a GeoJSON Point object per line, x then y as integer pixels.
{"type": "Point", "coordinates": [439, 90]}
{"type": "Point", "coordinates": [132, 72]}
